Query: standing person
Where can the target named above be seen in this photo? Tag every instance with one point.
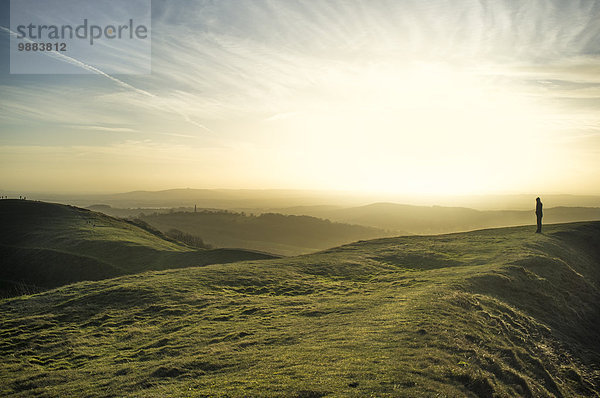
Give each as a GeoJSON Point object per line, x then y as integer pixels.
{"type": "Point", "coordinates": [539, 214]}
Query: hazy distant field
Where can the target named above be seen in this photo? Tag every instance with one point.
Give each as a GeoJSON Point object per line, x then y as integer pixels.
{"type": "Point", "coordinates": [275, 199]}
{"type": "Point", "coordinates": [273, 233]}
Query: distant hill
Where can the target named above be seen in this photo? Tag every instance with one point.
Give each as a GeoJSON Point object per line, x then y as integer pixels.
{"type": "Point", "coordinates": [242, 199]}
{"type": "Point", "coordinates": [274, 233]}
{"type": "Point", "coordinates": [492, 313]}
{"type": "Point", "coordinates": [43, 245]}
{"type": "Point", "coordinates": [439, 219]}
{"type": "Point", "coordinates": [208, 198]}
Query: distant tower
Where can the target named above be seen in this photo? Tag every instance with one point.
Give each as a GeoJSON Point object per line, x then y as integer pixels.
{"type": "Point", "coordinates": [194, 208]}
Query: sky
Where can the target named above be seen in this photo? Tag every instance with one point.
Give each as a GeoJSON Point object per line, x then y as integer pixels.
{"type": "Point", "coordinates": [413, 97]}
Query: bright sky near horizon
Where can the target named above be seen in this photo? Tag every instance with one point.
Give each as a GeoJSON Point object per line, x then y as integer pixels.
{"type": "Point", "coordinates": [417, 97]}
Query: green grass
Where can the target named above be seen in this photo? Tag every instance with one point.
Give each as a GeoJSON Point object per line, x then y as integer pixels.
{"type": "Point", "coordinates": [47, 245]}
{"type": "Point", "coordinates": [501, 312]}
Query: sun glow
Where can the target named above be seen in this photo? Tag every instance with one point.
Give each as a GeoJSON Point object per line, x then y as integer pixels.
{"type": "Point", "coordinates": [408, 97]}
{"type": "Point", "coordinates": [431, 128]}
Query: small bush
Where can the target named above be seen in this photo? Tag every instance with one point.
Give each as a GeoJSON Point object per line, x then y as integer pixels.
{"type": "Point", "coordinates": [188, 239]}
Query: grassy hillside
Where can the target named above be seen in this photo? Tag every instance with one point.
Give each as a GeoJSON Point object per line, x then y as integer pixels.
{"type": "Point", "coordinates": [274, 233]}
{"type": "Point", "coordinates": [492, 313]}
{"type": "Point", "coordinates": [47, 245]}
{"type": "Point", "coordinates": [440, 219]}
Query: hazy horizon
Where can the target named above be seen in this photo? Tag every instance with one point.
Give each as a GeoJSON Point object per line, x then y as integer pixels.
{"type": "Point", "coordinates": [284, 200]}
{"type": "Point", "coordinates": [380, 97]}
{"type": "Point", "coordinates": [109, 191]}
{"type": "Point", "coordinates": [76, 191]}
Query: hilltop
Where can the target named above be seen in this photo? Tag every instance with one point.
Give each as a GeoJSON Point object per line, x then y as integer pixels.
{"type": "Point", "coordinates": [490, 313]}
{"type": "Point", "coordinates": [44, 245]}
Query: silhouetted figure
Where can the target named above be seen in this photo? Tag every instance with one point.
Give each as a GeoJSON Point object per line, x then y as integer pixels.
{"type": "Point", "coordinates": [539, 214]}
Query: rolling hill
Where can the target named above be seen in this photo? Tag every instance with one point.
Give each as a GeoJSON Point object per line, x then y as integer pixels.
{"type": "Point", "coordinates": [45, 245]}
{"type": "Point", "coordinates": [273, 233]}
{"type": "Point", "coordinates": [490, 313]}
{"type": "Point", "coordinates": [439, 219]}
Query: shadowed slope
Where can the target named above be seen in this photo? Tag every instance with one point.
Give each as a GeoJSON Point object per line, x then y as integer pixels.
{"type": "Point", "coordinates": [46, 245]}
{"type": "Point", "coordinates": [502, 312]}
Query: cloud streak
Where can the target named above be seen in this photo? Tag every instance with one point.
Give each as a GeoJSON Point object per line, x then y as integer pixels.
{"type": "Point", "coordinates": [322, 87]}
{"type": "Point", "coordinates": [121, 83]}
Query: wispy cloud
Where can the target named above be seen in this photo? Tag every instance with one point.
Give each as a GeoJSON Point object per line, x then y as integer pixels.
{"type": "Point", "coordinates": [121, 83]}
{"type": "Point", "coordinates": [104, 128]}
{"type": "Point", "coordinates": [423, 78]}
{"type": "Point", "coordinates": [281, 116]}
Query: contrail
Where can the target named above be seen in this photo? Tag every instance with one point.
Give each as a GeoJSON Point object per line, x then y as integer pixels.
{"type": "Point", "coordinates": [121, 83]}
